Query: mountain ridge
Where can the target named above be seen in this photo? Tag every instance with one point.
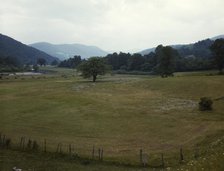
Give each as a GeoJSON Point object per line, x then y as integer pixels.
{"type": "Point", "coordinates": [23, 53]}
{"type": "Point", "coordinates": [186, 49]}
{"type": "Point", "coordinates": [65, 51]}
{"type": "Point", "coordinates": [221, 36]}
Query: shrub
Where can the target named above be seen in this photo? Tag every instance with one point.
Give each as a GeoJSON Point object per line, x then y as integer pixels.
{"type": "Point", "coordinates": [205, 103]}
{"type": "Point", "coordinates": [35, 146]}
{"type": "Point", "coordinates": [7, 142]}
{"type": "Point", "coordinates": [29, 144]}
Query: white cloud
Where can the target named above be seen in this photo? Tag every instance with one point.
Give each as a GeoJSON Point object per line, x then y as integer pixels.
{"type": "Point", "coordinates": [112, 25]}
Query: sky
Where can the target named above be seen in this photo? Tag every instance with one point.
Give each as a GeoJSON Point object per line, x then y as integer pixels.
{"type": "Point", "coordinates": [113, 25]}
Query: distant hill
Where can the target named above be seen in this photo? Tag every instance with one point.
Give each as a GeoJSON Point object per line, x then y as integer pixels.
{"type": "Point", "coordinates": [218, 37]}
{"type": "Point", "coordinates": [147, 51]}
{"type": "Point", "coordinates": [23, 53]}
{"type": "Point", "coordinates": [65, 51]}
{"type": "Point", "coordinates": [199, 49]}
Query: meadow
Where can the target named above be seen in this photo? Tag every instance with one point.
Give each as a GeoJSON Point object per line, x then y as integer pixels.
{"type": "Point", "coordinates": [119, 113]}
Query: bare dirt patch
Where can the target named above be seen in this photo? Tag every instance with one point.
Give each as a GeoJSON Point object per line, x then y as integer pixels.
{"type": "Point", "coordinates": [176, 104]}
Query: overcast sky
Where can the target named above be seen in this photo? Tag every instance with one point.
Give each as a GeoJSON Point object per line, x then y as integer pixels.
{"type": "Point", "coordinates": [113, 25]}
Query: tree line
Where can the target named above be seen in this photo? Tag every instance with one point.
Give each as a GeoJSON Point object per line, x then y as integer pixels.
{"type": "Point", "coordinates": [12, 64]}
{"type": "Point", "coordinates": [164, 61]}
{"type": "Point", "coordinates": [8, 63]}
{"type": "Point", "coordinates": [155, 61]}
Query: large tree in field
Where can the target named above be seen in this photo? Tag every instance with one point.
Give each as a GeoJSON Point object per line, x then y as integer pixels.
{"type": "Point", "coordinates": [166, 60]}
{"type": "Point", "coordinates": [93, 67]}
{"type": "Point", "coordinates": [218, 50]}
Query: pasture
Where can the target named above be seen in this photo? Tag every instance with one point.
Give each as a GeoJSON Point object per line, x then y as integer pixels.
{"type": "Point", "coordinates": [119, 113]}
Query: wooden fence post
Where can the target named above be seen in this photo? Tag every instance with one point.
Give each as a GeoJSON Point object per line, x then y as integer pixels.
{"type": "Point", "coordinates": [196, 153]}
{"type": "Point", "coordinates": [70, 150]}
{"type": "Point", "coordinates": [60, 148]}
{"type": "Point", "coordinates": [7, 142]}
{"type": "Point", "coordinates": [45, 145]}
{"type": "Point", "coordinates": [101, 154]}
{"type": "Point", "coordinates": [181, 155]}
{"type": "Point", "coordinates": [73, 149]}
{"type": "Point", "coordinates": [20, 143]}
{"type": "Point", "coordinates": [3, 140]}
{"type": "Point", "coordinates": [140, 156]}
{"type": "Point", "coordinates": [0, 139]}
{"type": "Point", "coordinates": [162, 160]}
{"type": "Point", "coordinates": [93, 152]}
{"type": "Point", "coordinates": [23, 143]}
{"type": "Point", "coordinates": [29, 144]}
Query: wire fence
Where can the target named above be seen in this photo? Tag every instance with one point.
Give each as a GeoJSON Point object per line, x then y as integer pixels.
{"type": "Point", "coordinates": [143, 158]}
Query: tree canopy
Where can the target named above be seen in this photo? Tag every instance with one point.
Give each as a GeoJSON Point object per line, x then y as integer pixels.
{"type": "Point", "coordinates": [54, 63]}
{"type": "Point", "coordinates": [71, 62]}
{"type": "Point", "coordinates": [41, 61]}
{"type": "Point", "coordinates": [218, 51]}
{"type": "Point", "coordinates": [166, 60]}
{"type": "Point", "coordinates": [93, 67]}
{"type": "Point", "coordinates": [9, 63]}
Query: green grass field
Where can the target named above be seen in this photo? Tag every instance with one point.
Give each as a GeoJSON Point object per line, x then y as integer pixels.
{"type": "Point", "coordinates": [120, 113]}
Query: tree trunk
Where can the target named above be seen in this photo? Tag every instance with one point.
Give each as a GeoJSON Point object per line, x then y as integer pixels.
{"type": "Point", "coordinates": [220, 66]}
{"type": "Point", "coordinates": [94, 78]}
{"type": "Point", "coordinates": [220, 71]}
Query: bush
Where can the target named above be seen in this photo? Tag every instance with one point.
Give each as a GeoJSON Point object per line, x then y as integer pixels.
{"type": "Point", "coordinates": [29, 144]}
{"type": "Point", "coordinates": [7, 142]}
{"type": "Point", "coordinates": [35, 146]}
{"type": "Point", "coordinates": [205, 103]}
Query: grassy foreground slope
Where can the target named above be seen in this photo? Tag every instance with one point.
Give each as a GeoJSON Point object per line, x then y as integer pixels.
{"type": "Point", "coordinates": [210, 158]}
{"type": "Point", "coordinates": [122, 114]}
{"type": "Point", "coordinates": [38, 162]}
